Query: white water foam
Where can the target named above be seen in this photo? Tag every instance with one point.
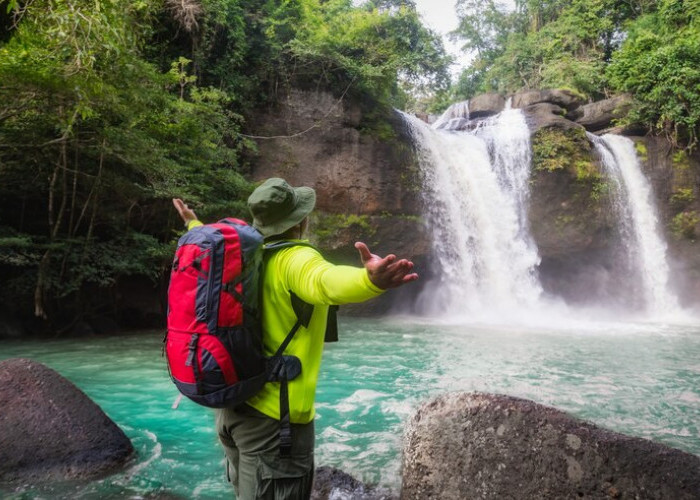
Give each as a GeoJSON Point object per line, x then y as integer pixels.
{"type": "Point", "coordinates": [638, 220]}
{"type": "Point", "coordinates": [455, 112]}
{"type": "Point", "coordinates": [476, 188]}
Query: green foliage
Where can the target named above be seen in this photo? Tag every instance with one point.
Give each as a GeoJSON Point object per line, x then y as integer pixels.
{"type": "Point", "coordinates": [683, 224]}
{"type": "Point", "coordinates": [327, 225]}
{"type": "Point", "coordinates": [372, 47]}
{"type": "Point", "coordinates": [642, 151]}
{"type": "Point", "coordinates": [659, 63]}
{"type": "Point", "coordinates": [648, 48]}
{"type": "Point", "coordinates": [681, 198]}
{"type": "Point", "coordinates": [327, 228]}
{"type": "Point", "coordinates": [552, 44]}
{"type": "Point", "coordinates": [600, 189]}
{"type": "Point", "coordinates": [108, 109]}
{"type": "Point", "coordinates": [557, 149]}
{"type": "Point", "coordinates": [95, 140]}
{"type": "Point", "coordinates": [680, 160]}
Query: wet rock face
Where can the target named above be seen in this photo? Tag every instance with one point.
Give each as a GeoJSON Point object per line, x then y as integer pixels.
{"type": "Point", "coordinates": [489, 446]}
{"type": "Point", "coordinates": [600, 115]}
{"type": "Point", "coordinates": [368, 185]}
{"type": "Point", "coordinates": [320, 143]}
{"type": "Point", "coordinates": [334, 484]}
{"type": "Point", "coordinates": [50, 430]}
{"type": "Point", "coordinates": [366, 181]}
{"type": "Point", "coordinates": [545, 114]}
{"type": "Point", "coordinates": [561, 98]}
{"type": "Point", "coordinates": [486, 105]}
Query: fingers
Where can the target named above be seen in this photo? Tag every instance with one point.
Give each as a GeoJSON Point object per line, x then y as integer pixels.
{"type": "Point", "coordinates": [183, 210]}
{"type": "Point", "coordinates": [365, 254]}
{"type": "Point", "coordinates": [408, 278]}
{"type": "Point", "coordinates": [386, 272]}
{"type": "Point", "coordinates": [403, 264]}
{"type": "Point", "coordinates": [180, 206]}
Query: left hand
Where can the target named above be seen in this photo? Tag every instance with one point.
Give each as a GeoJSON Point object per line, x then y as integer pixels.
{"type": "Point", "coordinates": [186, 213]}
{"type": "Point", "coordinates": [387, 272]}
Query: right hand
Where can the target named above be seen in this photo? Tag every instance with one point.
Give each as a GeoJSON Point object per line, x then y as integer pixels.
{"type": "Point", "coordinates": [186, 213]}
{"type": "Point", "coordinates": [387, 272]}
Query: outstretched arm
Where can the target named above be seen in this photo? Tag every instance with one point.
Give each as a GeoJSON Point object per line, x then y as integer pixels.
{"type": "Point", "coordinates": [387, 272]}
{"type": "Point", "coordinates": [186, 213]}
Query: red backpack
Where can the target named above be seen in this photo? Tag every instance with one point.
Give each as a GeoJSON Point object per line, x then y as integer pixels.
{"type": "Point", "coordinates": [214, 339]}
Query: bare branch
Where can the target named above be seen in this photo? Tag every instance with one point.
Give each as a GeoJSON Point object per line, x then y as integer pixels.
{"type": "Point", "coordinates": [185, 12]}
{"type": "Point", "coordinates": [319, 122]}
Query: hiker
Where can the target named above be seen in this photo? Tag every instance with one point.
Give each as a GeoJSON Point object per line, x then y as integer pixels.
{"type": "Point", "coordinates": [250, 433]}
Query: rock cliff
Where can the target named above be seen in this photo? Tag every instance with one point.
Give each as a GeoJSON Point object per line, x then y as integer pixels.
{"type": "Point", "coordinates": [363, 170]}
{"type": "Point", "coordinates": [361, 161]}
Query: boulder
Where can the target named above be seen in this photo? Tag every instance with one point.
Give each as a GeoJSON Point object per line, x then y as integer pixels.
{"type": "Point", "coordinates": [490, 446]}
{"type": "Point", "coordinates": [331, 483]}
{"type": "Point", "coordinates": [600, 115]}
{"type": "Point", "coordinates": [545, 114]}
{"type": "Point", "coordinates": [50, 430]}
{"type": "Point", "coordinates": [486, 105]}
{"type": "Point", "coordinates": [563, 98]}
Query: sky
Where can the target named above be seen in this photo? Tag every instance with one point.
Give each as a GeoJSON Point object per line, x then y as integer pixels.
{"type": "Point", "coordinates": [440, 16]}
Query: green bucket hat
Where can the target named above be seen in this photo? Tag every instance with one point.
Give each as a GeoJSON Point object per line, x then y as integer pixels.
{"type": "Point", "coordinates": [276, 206]}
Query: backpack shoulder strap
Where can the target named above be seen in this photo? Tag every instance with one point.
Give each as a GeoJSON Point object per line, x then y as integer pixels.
{"type": "Point", "coordinates": [272, 247]}
{"type": "Point", "coordinates": [285, 368]}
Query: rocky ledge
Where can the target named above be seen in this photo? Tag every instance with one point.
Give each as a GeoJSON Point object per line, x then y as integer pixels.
{"type": "Point", "coordinates": [368, 181]}
{"type": "Point", "coordinates": [50, 430]}
{"type": "Point", "coordinates": [489, 446]}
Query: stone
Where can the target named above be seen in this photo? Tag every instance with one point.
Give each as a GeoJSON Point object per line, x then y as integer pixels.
{"type": "Point", "coordinates": [563, 98]}
{"type": "Point", "coordinates": [486, 105]}
{"type": "Point", "coordinates": [454, 450]}
{"type": "Point", "coordinates": [355, 170]}
{"type": "Point", "coordinates": [334, 484]}
{"type": "Point", "coordinates": [545, 114]}
{"type": "Point", "coordinates": [599, 115]}
{"type": "Point", "coordinates": [50, 430]}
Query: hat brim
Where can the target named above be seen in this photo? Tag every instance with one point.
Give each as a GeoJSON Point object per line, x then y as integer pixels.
{"type": "Point", "coordinates": [306, 201]}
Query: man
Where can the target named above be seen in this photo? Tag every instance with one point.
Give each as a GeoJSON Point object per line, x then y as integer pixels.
{"type": "Point", "coordinates": [250, 433]}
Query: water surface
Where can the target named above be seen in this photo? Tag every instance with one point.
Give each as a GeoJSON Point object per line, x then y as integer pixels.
{"type": "Point", "coordinates": [641, 379]}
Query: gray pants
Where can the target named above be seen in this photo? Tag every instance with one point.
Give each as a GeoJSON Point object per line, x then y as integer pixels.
{"type": "Point", "coordinates": [254, 465]}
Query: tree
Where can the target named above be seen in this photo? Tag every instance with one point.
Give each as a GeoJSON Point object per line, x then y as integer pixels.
{"type": "Point", "coordinates": [93, 141]}
{"type": "Point", "coordinates": [659, 63]}
{"type": "Point", "coordinates": [542, 44]}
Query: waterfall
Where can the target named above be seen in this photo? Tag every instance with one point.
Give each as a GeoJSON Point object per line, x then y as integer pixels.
{"type": "Point", "coordinates": [635, 209]}
{"type": "Point", "coordinates": [453, 115]}
{"type": "Point", "coordinates": [476, 197]}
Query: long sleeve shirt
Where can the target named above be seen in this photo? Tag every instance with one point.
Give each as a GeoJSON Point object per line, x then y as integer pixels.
{"type": "Point", "coordinates": [303, 271]}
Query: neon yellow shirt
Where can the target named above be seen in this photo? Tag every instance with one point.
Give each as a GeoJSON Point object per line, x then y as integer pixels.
{"type": "Point", "coordinates": [316, 281]}
{"type": "Point", "coordinates": [305, 272]}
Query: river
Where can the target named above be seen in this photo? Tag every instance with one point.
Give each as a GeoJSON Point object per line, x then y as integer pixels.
{"type": "Point", "coordinates": [641, 379]}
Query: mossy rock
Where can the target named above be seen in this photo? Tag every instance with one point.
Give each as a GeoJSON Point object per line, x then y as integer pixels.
{"type": "Point", "coordinates": [556, 148]}
{"type": "Point", "coordinates": [682, 198]}
{"type": "Point", "coordinates": [642, 151]}
{"type": "Point", "coordinates": [684, 225]}
{"type": "Point", "coordinates": [680, 160]}
{"type": "Point", "coordinates": [328, 227]}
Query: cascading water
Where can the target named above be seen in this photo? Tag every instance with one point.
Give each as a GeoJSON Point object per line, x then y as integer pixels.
{"type": "Point", "coordinates": [453, 116]}
{"type": "Point", "coordinates": [638, 221]}
{"type": "Point", "coordinates": [476, 195]}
